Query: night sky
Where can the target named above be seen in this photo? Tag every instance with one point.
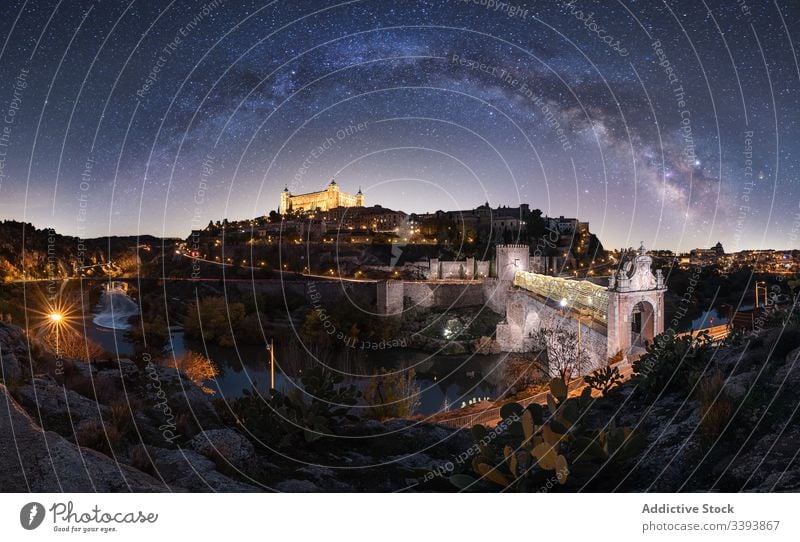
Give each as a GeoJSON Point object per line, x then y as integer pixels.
{"type": "Point", "coordinates": [637, 119]}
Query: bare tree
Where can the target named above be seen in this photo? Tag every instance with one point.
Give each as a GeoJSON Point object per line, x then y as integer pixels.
{"type": "Point", "coordinates": [70, 343]}
{"type": "Point", "coordinates": [564, 357]}
{"type": "Point", "coordinates": [196, 366]}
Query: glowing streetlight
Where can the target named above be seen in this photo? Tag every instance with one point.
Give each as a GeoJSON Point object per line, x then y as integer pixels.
{"type": "Point", "coordinates": [56, 320]}
{"type": "Point", "coordinates": [271, 348]}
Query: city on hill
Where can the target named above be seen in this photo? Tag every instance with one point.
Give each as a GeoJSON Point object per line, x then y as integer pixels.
{"type": "Point", "coordinates": [444, 321]}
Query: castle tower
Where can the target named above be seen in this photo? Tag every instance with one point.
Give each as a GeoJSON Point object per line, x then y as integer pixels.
{"type": "Point", "coordinates": [510, 259]}
{"type": "Point", "coordinates": [359, 198]}
{"type": "Point", "coordinates": [635, 305]}
{"type": "Point", "coordinates": [285, 201]}
{"type": "Point", "coordinates": [333, 194]}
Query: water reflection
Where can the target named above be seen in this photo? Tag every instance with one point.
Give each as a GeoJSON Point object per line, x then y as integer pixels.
{"type": "Point", "coordinates": [446, 382]}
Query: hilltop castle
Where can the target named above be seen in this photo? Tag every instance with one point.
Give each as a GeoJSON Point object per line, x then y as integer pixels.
{"type": "Point", "coordinates": [324, 200]}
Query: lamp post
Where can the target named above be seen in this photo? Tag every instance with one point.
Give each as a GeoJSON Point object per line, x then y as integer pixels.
{"type": "Point", "coordinates": [271, 348]}
{"type": "Point", "coordinates": [763, 285]}
{"type": "Point", "coordinates": [56, 318]}
{"type": "Point", "coordinates": [583, 313]}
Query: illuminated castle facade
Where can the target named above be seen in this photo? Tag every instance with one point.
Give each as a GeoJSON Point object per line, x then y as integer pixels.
{"type": "Point", "coordinates": [324, 200]}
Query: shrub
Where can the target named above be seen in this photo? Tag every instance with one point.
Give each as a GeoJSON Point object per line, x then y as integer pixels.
{"type": "Point", "coordinates": [716, 407]}
{"type": "Point", "coordinates": [521, 372]}
{"type": "Point", "coordinates": [75, 345]}
{"type": "Point", "coordinates": [213, 319]}
{"type": "Point", "coordinates": [392, 394]}
{"type": "Point", "coordinates": [195, 366]}
{"type": "Point", "coordinates": [122, 418]}
{"type": "Point", "coordinates": [486, 345]}
{"type": "Point", "coordinates": [97, 436]}
{"type": "Point", "coordinates": [140, 460]}
{"type": "Point", "coordinates": [544, 451]}
{"type": "Point", "coordinates": [671, 363]}
{"type": "Point", "coordinates": [283, 419]}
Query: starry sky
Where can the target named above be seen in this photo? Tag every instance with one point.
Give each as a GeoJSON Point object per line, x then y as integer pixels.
{"type": "Point", "coordinates": [673, 123]}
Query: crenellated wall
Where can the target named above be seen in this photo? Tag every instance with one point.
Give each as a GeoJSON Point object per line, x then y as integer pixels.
{"type": "Point", "coordinates": [467, 269]}
{"type": "Point", "coordinates": [511, 259]}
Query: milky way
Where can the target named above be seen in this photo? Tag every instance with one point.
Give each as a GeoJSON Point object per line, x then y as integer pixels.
{"type": "Point", "coordinates": [671, 123]}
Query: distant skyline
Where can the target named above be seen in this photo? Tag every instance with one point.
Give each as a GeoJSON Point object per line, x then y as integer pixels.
{"type": "Point", "coordinates": [674, 124]}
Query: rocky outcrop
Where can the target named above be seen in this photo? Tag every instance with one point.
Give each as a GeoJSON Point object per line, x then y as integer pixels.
{"type": "Point", "coordinates": [13, 352]}
{"type": "Point", "coordinates": [224, 445]}
{"type": "Point", "coordinates": [189, 470]}
{"type": "Point", "coordinates": [757, 449]}
{"type": "Point", "coordinates": [37, 460]}
{"type": "Point", "coordinates": [57, 408]}
{"type": "Point", "coordinates": [48, 421]}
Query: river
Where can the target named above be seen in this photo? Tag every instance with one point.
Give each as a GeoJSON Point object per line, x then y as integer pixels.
{"type": "Point", "coordinates": [446, 382]}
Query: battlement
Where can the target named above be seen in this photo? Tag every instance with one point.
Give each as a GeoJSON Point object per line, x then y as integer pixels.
{"type": "Point", "coordinates": [511, 259]}
{"type": "Point", "coordinates": [502, 247]}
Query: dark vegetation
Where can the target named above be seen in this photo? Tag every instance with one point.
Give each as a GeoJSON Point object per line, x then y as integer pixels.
{"type": "Point", "coordinates": [695, 416]}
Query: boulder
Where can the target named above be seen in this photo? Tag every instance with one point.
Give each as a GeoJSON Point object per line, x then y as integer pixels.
{"type": "Point", "coordinates": [13, 347]}
{"type": "Point", "coordinates": [43, 461]}
{"type": "Point", "coordinates": [10, 369]}
{"type": "Point", "coordinates": [192, 400]}
{"type": "Point", "coordinates": [227, 444]}
{"type": "Point", "coordinates": [57, 408]}
{"type": "Point", "coordinates": [188, 469]}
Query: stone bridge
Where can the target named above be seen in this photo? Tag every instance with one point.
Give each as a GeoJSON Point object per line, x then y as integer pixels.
{"type": "Point", "coordinates": [619, 317]}
{"type": "Point", "coordinates": [607, 320]}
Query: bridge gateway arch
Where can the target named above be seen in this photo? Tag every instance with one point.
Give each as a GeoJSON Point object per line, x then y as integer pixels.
{"type": "Point", "coordinates": [619, 317]}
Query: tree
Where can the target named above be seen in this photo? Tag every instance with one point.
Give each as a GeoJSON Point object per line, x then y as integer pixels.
{"type": "Point", "coordinates": [75, 345]}
{"type": "Point", "coordinates": [213, 319]}
{"type": "Point", "coordinates": [520, 373]}
{"type": "Point", "coordinates": [149, 335]}
{"type": "Point", "coordinates": [535, 225]}
{"type": "Point", "coordinates": [392, 394]}
{"type": "Point", "coordinates": [196, 366]}
{"type": "Point", "coordinates": [564, 358]}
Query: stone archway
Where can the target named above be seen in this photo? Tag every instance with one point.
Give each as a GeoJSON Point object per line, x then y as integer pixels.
{"type": "Point", "coordinates": [635, 305]}
{"type": "Point", "coordinates": [642, 324]}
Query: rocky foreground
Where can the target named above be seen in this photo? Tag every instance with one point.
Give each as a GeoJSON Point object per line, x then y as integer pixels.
{"type": "Point", "coordinates": [72, 426]}
{"type": "Point", "coordinates": [758, 445]}
{"type": "Point", "coordinates": [122, 426]}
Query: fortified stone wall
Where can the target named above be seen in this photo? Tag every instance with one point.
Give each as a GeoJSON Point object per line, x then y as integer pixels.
{"type": "Point", "coordinates": [495, 294]}
{"type": "Point", "coordinates": [456, 270]}
{"type": "Point", "coordinates": [467, 269]}
{"type": "Point", "coordinates": [510, 259]}
{"type": "Point", "coordinates": [433, 295]}
{"type": "Point", "coordinates": [390, 297]}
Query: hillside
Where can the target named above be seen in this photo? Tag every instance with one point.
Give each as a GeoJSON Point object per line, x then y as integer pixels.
{"type": "Point", "coordinates": [26, 251]}
{"type": "Point", "coordinates": [719, 419]}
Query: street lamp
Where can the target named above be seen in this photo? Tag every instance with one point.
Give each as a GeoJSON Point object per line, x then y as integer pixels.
{"type": "Point", "coordinates": [580, 322]}
{"type": "Point", "coordinates": [56, 319]}
{"type": "Point", "coordinates": [271, 348]}
{"type": "Point", "coordinates": [763, 285]}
